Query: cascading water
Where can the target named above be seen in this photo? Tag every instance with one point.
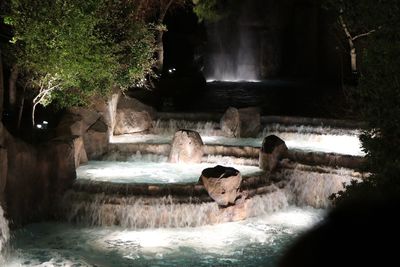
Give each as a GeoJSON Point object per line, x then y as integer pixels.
{"type": "Point", "coordinates": [4, 234]}
{"type": "Point", "coordinates": [107, 206]}
{"type": "Point", "coordinates": [304, 137]}
{"type": "Point", "coordinates": [232, 46]}
{"type": "Point", "coordinates": [135, 209]}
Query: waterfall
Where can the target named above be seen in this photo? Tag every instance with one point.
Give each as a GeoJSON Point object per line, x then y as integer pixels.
{"type": "Point", "coordinates": [233, 45]}
{"type": "Point", "coordinates": [4, 233]}
{"type": "Point", "coordinates": [297, 186]}
{"type": "Point", "coordinates": [169, 127]}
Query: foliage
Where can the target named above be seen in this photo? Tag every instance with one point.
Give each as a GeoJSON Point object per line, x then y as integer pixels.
{"type": "Point", "coordinates": [207, 10]}
{"type": "Point", "coordinates": [363, 16]}
{"type": "Point", "coordinates": [378, 95]}
{"type": "Point", "coordinates": [73, 42]}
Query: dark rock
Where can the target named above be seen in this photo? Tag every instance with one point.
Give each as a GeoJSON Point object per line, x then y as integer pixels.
{"type": "Point", "coordinates": [230, 122]}
{"type": "Point", "coordinates": [80, 156]}
{"type": "Point", "coordinates": [244, 122]}
{"type": "Point", "coordinates": [99, 126]}
{"type": "Point", "coordinates": [272, 150]}
{"type": "Point", "coordinates": [96, 144]}
{"type": "Point", "coordinates": [250, 121]}
{"type": "Point", "coordinates": [37, 177]}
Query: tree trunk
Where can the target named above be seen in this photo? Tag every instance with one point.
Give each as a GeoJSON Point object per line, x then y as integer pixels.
{"type": "Point", "coordinates": [160, 50]}
{"type": "Point", "coordinates": [12, 89]}
{"type": "Point", "coordinates": [164, 6]}
{"type": "Point", "coordinates": [1, 87]}
{"type": "Point", "coordinates": [353, 58]}
{"type": "Point", "coordinates": [21, 109]}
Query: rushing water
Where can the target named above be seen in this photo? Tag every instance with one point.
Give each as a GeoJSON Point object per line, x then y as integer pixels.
{"type": "Point", "coordinates": [170, 230]}
{"type": "Point", "coordinates": [307, 138]}
{"type": "Point", "coordinates": [109, 203]}
{"type": "Point", "coordinates": [148, 172]}
{"type": "Point", "coordinates": [254, 242]}
{"type": "Point", "coordinates": [4, 234]}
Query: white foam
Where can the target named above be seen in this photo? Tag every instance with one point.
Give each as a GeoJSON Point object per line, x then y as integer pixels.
{"type": "Point", "coordinates": [148, 172]}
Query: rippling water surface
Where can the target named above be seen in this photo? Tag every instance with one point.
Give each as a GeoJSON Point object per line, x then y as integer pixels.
{"type": "Point", "coordinates": [254, 242]}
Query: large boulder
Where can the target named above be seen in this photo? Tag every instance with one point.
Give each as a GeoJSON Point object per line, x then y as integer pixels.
{"type": "Point", "coordinates": [187, 147]}
{"type": "Point", "coordinates": [107, 109]}
{"type": "Point", "coordinates": [90, 125]}
{"type": "Point", "coordinates": [230, 122]}
{"type": "Point", "coordinates": [272, 150]}
{"type": "Point", "coordinates": [250, 121]}
{"type": "Point", "coordinates": [222, 184]}
{"type": "Point", "coordinates": [129, 121]}
{"type": "Point", "coordinates": [70, 124]}
{"type": "Point", "coordinates": [80, 156]}
{"type": "Point", "coordinates": [132, 116]}
{"type": "Point", "coordinates": [36, 177]}
{"type": "Point", "coordinates": [77, 121]}
{"type": "Point", "coordinates": [87, 116]}
{"type": "Point", "coordinates": [244, 122]}
{"type": "Point", "coordinates": [96, 140]}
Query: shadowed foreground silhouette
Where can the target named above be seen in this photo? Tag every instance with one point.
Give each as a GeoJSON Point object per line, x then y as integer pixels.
{"type": "Point", "coordinates": [361, 233]}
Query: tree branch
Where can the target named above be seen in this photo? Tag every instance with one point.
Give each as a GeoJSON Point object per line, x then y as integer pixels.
{"type": "Point", "coordinates": [164, 10]}
{"type": "Point", "coordinates": [344, 26]}
{"type": "Point", "coordinates": [363, 34]}
{"type": "Point", "coordinates": [43, 92]}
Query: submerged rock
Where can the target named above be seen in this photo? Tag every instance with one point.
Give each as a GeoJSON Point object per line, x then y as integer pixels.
{"type": "Point", "coordinates": [272, 150]}
{"type": "Point", "coordinates": [187, 147]}
{"type": "Point", "coordinates": [222, 184]}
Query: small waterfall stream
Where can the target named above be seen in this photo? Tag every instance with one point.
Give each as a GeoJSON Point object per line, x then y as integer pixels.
{"type": "Point", "coordinates": [4, 234]}
{"type": "Point", "coordinates": [317, 138]}
{"type": "Point", "coordinates": [108, 206]}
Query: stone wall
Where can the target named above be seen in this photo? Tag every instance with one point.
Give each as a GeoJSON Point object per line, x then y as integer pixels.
{"type": "Point", "coordinates": [34, 177]}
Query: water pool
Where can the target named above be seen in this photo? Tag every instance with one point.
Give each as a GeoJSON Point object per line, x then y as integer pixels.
{"type": "Point", "coordinates": [148, 172]}
{"type": "Point", "coordinates": [253, 242]}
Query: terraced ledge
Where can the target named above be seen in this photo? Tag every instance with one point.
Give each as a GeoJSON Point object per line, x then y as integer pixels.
{"type": "Point", "coordinates": [245, 154]}
{"type": "Point", "coordinates": [182, 192]}
{"type": "Point", "coordinates": [326, 159]}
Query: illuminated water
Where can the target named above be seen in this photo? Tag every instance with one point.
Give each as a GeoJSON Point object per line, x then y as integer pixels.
{"type": "Point", "coordinates": [307, 138]}
{"type": "Point", "coordinates": [277, 218]}
{"type": "Point", "coordinates": [254, 242]}
{"type": "Point", "coordinates": [148, 172]}
{"type": "Point", "coordinates": [4, 234]}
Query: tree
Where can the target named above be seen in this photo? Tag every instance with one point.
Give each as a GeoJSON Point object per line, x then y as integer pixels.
{"type": "Point", "coordinates": [154, 12]}
{"type": "Point", "coordinates": [208, 10]}
{"type": "Point", "coordinates": [72, 49]}
{"type": "Point", "coordinates": [378, 96]}
{"type": "Point", "coordinates": [75, 49]}
{"type": "Point", "coordinates": [357, 20]}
